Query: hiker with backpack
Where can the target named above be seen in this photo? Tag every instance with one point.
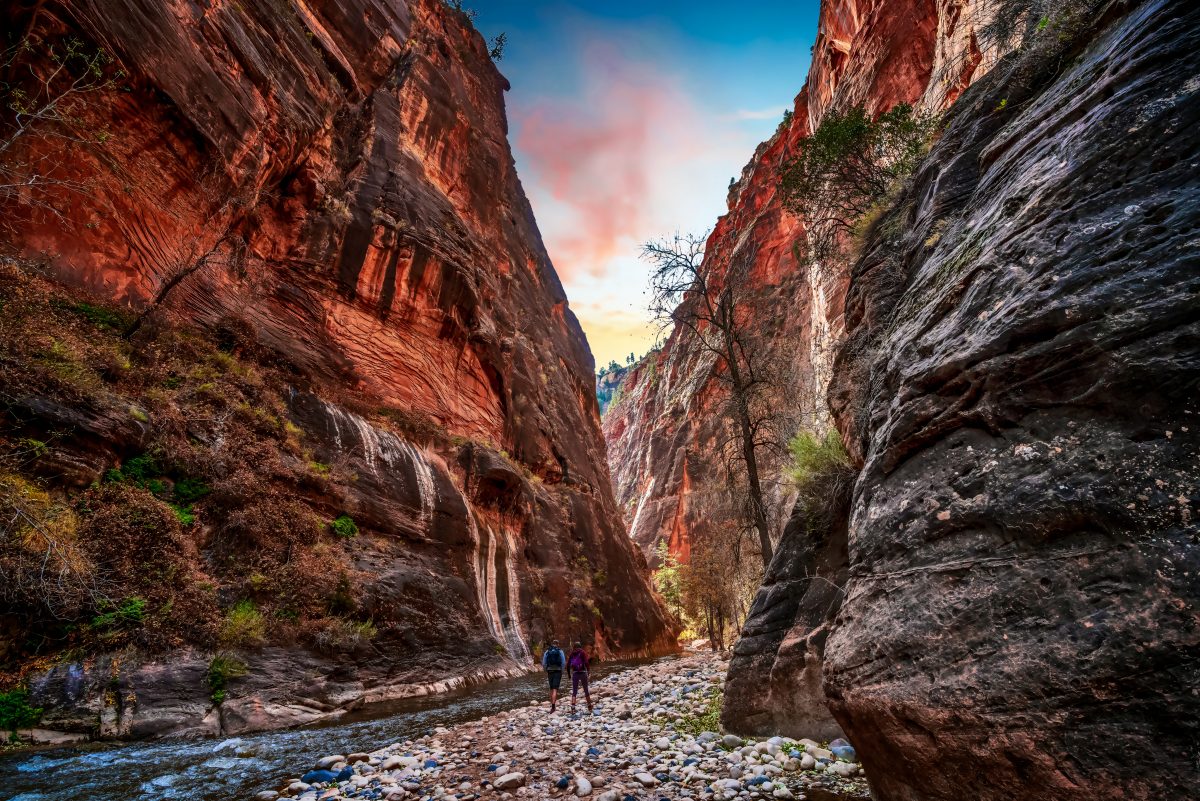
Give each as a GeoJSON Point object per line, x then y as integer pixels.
{"type": "Point", "coordinates": [577, 668]}
{"type": "Point", "coordinates": [553, 662]}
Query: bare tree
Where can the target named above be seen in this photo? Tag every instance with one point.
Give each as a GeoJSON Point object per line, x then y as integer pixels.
{"type": "Point", "coordinates": [44, 91]}
{"type": "Point", "coordinates": [712, 308]}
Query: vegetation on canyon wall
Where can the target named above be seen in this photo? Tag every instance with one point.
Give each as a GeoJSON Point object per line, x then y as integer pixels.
{"type": "Point", "coordinates": [849, 168]}
{"type": "Point", "coordinates": [207, 531]}
{"type": "Point", "coordinates": [48, 103]}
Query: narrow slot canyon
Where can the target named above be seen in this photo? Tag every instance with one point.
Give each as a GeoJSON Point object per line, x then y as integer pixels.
{"type": "Point", "coordinates": [397, 404]}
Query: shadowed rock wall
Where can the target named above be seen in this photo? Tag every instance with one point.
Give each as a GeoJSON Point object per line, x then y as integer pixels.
{"type": "Point", "coordinates": [1020, 375]}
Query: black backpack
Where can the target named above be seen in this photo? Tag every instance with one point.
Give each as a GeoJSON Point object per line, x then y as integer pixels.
{"type": "Point", "coordinates": [554, 659]}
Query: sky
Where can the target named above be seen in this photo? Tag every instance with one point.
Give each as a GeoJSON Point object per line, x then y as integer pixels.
{"type": "Point", "coordinates": [628, 120]}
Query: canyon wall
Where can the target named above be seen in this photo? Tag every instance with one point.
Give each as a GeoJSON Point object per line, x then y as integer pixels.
{"type": "Point", "coordinates": [1008, 588]}
{"type": "Point", "coordinates": [1020, 377]}
{"type": "Point", "coordinates": [324, 193]}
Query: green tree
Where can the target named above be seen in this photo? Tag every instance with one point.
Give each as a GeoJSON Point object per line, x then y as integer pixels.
{"type": "Point", "coordinates": [668, 580]}
{"type": "Point", "coordinates": [497, 45]}
{"type": "Point", "coordinates": [851, 163]}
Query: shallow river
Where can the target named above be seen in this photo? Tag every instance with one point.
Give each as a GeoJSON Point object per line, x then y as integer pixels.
{"type": "Point", "coordinates": [209, 770]}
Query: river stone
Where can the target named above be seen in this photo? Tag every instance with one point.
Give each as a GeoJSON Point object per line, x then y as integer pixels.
{"type": "Point", "coordinates": [819, 753]}
{"type": "Point", "coordinates": [325, 763]}
{"type": "Point", "coordinates": [319, 777]}
{"type": "Point", "coordinates": [845, 753]}
{"type": "Point", "coordinates": [731, 741]}
{"type": "Point", "coordinates": [646, 779]}
{"type": "Point", "coordinates": [509, 781]}
{"type": "Point", "coordinates": [582, 786]}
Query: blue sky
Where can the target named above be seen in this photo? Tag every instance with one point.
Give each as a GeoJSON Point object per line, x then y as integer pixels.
{"type": "Point", "coordinates": [628, 120]}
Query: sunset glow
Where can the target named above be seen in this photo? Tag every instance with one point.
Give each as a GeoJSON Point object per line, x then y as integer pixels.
{"type": "Point", "coordinates": [622, 130]}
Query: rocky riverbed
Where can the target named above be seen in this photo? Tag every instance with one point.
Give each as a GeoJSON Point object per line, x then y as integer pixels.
{"type": "Point", "coordinates": [654, 735]}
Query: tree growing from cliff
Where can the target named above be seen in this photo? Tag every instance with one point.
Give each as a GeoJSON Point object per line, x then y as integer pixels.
{"type": "Point", "coordinates": [850, 165]}
{"type": "Point", "coordinates": [712, 307]}
{"type": "Point", "coordinates": [45, 88]}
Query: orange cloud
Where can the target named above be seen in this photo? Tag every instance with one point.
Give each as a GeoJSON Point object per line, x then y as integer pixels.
{"type": "Point", "coordinates": [608, 164]}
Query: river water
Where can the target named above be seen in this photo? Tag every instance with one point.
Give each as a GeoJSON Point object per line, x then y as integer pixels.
{"type": "Point", "coordinates": [211, 770]}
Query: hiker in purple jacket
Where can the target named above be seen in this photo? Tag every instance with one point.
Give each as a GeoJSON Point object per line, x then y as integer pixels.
{"type": "Point", "coordinates": [577, 669]}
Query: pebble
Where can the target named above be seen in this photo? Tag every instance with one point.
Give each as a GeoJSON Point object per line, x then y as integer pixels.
{"type": "Point", "coordinates": [510, 780]}
{"type": "Point", "coordinates": [642, 744]}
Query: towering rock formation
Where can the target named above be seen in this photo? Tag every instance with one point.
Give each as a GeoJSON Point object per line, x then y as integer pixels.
{"type": "Point", "coordinates": [1010, 587]}
{"type": "Point", "coordinates": [1020, 378]}
{"type": "Point", "coordinates": [334, 183]}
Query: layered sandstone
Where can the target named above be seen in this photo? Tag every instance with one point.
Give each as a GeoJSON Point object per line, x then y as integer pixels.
{"type": "Point", "coordinates": [336, 181]}
{"type": "Point", "coordinates": [1020, 378]}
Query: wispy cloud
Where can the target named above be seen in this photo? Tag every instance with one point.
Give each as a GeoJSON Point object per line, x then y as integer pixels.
{"type": "Point", "coordinates": [630, 156]}
{"type": "Point", "coordinates": [625, 141]}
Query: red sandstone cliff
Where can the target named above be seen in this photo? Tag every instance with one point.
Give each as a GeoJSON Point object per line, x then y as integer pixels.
{"type": "Point", "coordinates": [333, 182]}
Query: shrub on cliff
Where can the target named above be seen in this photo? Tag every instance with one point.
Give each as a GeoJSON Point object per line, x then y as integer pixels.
{"type": "Point", "coordinates": [46, 573]}
{"type": "Point", "coordinates": [820, 470]}
{"type": "Point", "coordinates": [850, 164]}
{"type": "Point", "coordinates": [243, 625]}
{"type": "Point", "coordinates": [344, 526]}
{"type": "Point", "coordinates": [221, 669]}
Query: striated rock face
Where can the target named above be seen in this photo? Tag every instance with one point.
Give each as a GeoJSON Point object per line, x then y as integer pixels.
{"type": "Point", "coordinates": [1023, 537]}
{"type": "Point", "coordinates": [336, 179]}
